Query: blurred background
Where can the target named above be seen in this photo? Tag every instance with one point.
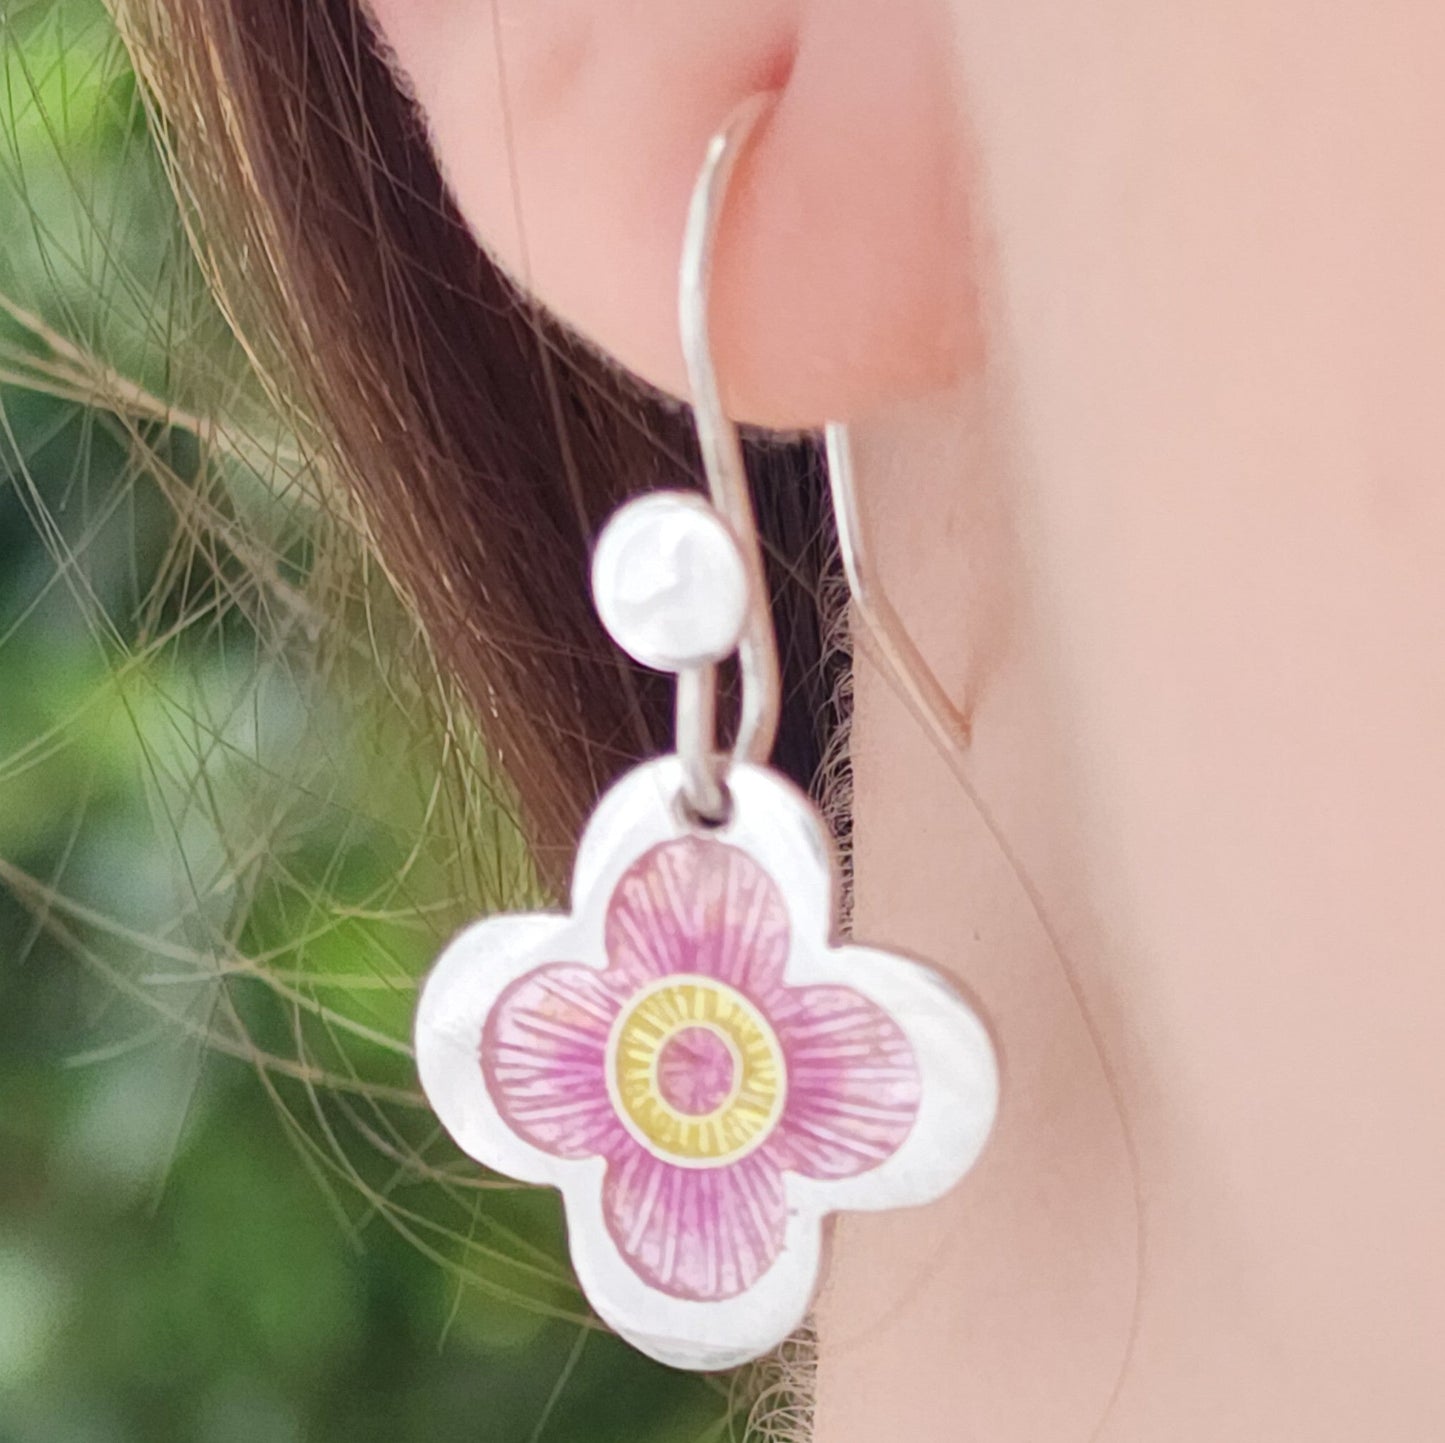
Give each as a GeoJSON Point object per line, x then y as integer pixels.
{"type": "Point", "coordinates": [238, 813]}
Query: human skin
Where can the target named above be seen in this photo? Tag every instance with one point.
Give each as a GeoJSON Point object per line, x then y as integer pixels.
{"type": "Point", "coordinates": [1164, 507]}
{"type": "Point", "coordinates": [1213, 415]}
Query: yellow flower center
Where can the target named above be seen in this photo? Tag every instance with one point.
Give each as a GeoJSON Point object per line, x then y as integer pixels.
{"type": "Point", "coordinates": [695, 1071]}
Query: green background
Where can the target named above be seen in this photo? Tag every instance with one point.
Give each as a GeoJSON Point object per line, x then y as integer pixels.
{"type": "Point", "coordinates": [237, 815]}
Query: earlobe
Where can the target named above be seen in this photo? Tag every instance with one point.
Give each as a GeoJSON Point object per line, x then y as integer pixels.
{"type": "Point", "coordinates": [570, 134]}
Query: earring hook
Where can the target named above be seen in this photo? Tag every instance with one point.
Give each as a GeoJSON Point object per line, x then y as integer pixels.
{"type": "Point", "coordinates": [894, 649]}
{"type": "Point", "coordinates": [717, 434]}
{"type": "Point", "coordinates": [722, 456]}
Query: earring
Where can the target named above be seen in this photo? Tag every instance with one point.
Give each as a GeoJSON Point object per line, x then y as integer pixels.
{"type": "Point", "coordinates": [689, 1054]}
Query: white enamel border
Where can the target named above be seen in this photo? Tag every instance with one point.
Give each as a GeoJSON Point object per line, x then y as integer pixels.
{"type": "Point", "coordinates": [779, 828]}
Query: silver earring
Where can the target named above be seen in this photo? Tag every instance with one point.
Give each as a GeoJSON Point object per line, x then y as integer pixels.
{"type": "Point", "coordinates": [689, 1054]}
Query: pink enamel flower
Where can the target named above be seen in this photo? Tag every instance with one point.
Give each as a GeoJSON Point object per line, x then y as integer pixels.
{"type": "Point", "coordinates": [696, 1071]}
{"type": "Point", "coordinates": [699, 1070]}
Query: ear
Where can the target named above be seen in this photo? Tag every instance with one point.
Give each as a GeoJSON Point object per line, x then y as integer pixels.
{"type": "Point", "coordinates": [571, 132]}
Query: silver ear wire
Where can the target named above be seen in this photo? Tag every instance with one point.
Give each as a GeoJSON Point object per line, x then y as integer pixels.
{"type": "Point", "coordinates": [722, 452]}
{"type": "Point", "coordinates": [893, 648]}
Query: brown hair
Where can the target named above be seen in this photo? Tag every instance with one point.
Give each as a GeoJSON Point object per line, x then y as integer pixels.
{"type": "Point", "coordinates": [484, 443]}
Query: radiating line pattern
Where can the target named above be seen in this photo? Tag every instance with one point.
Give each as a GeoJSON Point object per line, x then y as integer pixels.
{"type": "Point", "coordinates": [697, 1071]}
{"type": "Point", "coordinates": [698, 1074]}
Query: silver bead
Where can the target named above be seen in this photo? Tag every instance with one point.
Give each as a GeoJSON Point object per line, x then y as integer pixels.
{"type": "Point", "coordinates": [669, 582]}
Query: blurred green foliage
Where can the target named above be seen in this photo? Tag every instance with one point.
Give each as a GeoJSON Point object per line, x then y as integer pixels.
{"type": "Point", "coordinates": [235, 819]}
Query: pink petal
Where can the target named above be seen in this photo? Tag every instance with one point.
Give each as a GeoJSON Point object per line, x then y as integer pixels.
{"type": "Point", "coordinates": [543, 1055]}
{"type": "Point", "coordinates": [699, 1233]}
{"type": "Point", "coordinates": [853, 1084]}
{"type": "Point", "coordinates": [698, 905]}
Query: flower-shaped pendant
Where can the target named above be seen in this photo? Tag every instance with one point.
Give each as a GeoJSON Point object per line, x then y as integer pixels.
{"type": "Point", "coordinates": [700, 1068]}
